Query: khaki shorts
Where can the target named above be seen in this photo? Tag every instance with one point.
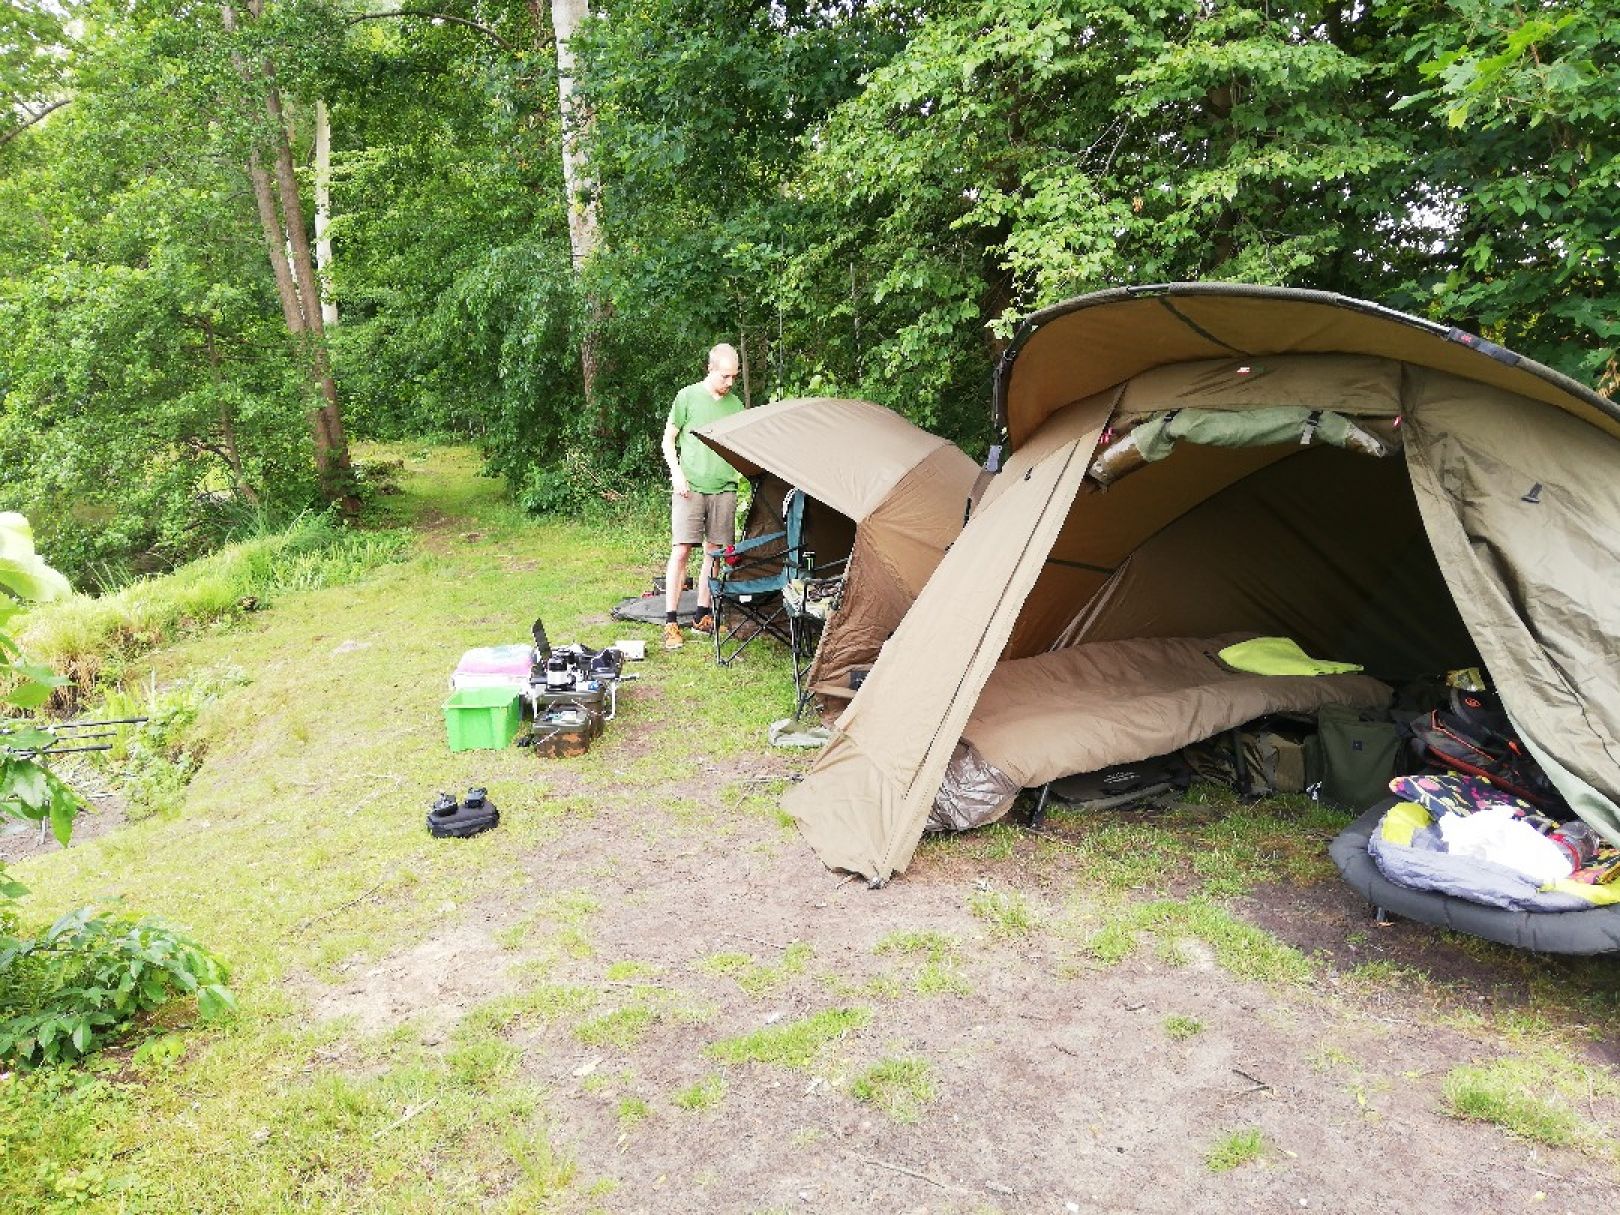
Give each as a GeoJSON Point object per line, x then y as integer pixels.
{"type": "Point", "coordinates": [699, 517]}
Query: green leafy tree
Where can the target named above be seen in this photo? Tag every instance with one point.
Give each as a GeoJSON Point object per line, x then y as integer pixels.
{"type": "Point", "coordinates": [1521, 172]}
{"type": "Point", "coordinates": [1016, 154]}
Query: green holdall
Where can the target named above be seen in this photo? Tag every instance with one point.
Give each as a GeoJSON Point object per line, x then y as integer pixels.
{"type": "Point", "coordinates": [1358, 756]}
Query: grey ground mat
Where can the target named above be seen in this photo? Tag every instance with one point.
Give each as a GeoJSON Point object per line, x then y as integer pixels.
{"type": "Point", "coordinates": [1572, 932]}
{"type": "Point", "coordinates": [649, 609]}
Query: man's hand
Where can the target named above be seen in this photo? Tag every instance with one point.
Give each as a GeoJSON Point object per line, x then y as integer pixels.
{"type": "Point", "coordinates": [682, 489]}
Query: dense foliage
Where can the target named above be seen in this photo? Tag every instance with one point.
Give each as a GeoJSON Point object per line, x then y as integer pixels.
{"type": "Point", "coordinates": [69, 989]}
{"type": "Point", "coordinates": [862, 195]}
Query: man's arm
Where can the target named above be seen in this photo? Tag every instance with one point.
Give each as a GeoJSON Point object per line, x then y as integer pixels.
{"type": "Point", "coordinates": [677, 479]}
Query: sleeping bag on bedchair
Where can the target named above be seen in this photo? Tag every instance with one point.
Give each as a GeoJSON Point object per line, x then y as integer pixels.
{"type": "Point", "coordinates": [1452, 851]}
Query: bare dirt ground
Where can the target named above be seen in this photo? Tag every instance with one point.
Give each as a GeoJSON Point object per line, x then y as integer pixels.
{"type": "Point", "coordinates": [104, 813]}
{"type": "Point", "coordinates": [1056, 1085]}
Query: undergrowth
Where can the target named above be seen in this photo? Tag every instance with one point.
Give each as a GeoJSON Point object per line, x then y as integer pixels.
{"type": "Point", "coordinates": [153, 761]}
{"type": "Point", "coordinates": [88, 977]}
{"type": "Point", "coordinates": [85, 636]}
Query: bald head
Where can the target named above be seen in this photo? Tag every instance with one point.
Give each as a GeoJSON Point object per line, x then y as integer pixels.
{"type": "Point", "coordinates": [723, 365]}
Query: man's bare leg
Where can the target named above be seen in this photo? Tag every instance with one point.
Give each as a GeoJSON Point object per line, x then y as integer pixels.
{"type": "Point", "coordinates": [674, 576]}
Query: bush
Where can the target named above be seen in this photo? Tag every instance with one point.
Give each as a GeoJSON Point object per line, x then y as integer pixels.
{"type": "Point", "coordinates": [85, 979]}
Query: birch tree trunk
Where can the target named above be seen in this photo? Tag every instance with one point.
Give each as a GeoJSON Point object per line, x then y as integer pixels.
{"type": "Point", "coordinates": [323, 213]}
{"type": "Point", "coordinates": [580, 188]}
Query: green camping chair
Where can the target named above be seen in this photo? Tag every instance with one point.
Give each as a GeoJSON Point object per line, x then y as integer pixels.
{"type": "Point", "coordinates": [759, 591]}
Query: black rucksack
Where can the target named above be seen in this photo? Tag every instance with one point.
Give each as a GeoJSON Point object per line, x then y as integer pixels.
{"type": "Point", "coordinates": [1473, 734]}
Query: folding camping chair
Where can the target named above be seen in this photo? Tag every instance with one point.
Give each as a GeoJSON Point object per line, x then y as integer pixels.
{"type": "Point", "coordinates": [759, 590]}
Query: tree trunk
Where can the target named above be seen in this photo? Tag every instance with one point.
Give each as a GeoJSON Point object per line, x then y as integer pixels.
{"type": "Point", "coordinates": [287, 241]}
{"type": "Point", "coordinates": [580, 187]}
{"type": "Point", "coordinates": [275, 242]}
{"type": "Point", "coordinates": [582, 226]}
{"type": "Point", "coordinates": [323, 213]}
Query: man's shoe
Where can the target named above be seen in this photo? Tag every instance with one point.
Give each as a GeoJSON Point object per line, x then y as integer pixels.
{"type": "Point", "coordinates": [703, 623]}
{"type": "Point", "coordinates": [672, 636]}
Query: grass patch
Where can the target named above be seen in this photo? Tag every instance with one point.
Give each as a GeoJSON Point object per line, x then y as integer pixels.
{"type": "Point", "coordinates": [545, 1003]}
{"type": "Point", "coordinates": [939, 974]}
{"type": "Point", "coordinates": [83, 636]}
{"type": "Point", "coordinates": [632, 1112]}
{"type": "Point", "coordinates": [623, 1027]}
{"type": "Point", "coordinates": [1006, 914]}
{"type": "Point", "coordinates": [1181, 1028]}
{"type": "Point", "coordinates": [1239, 948]}
{"type": "Point", "coordinates": [940, 979]}
{"type": "Point", "coordinates": [1235, 1150]}
{"type": "Point", "coordinates": [621, 972]}
{"type": "Point", "coordinates": [1522, 1096]}
{"type": "Point", "coordinates": [795, 1044]}
{"type": "Point", "coordinates": [563, 916]}
{"type": "Point", "coordinates": [758, 978]}
{"type": "Point", "coordinates": [898, 1087]}
{"type": "Point", "coordinates": [704, 1095]}
{"type": "Point", "coordinates": [935, 946]}
{"type": "Point", "coordinates": [1226, 846]}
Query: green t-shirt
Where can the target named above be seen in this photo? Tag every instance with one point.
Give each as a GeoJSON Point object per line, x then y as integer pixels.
{"type": "Point", "coordinates": [696, 406]}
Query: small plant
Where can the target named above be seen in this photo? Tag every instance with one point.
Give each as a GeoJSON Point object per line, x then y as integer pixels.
{"type": "Point", "coordinates": [898, 1087]}
{"type": "Point", "coordinates": [1237, 1149]}
{"type": "Point", "coordinates": [154, 762]}
{"type": "Point", "coordinates": [795, 1044]}
{"type": "Point", "coordinates": [704, 1095]}
{"type": "Point", "coordinates": [82, 981]}
{"type": "Point", "coordinates": [1181, 1028]}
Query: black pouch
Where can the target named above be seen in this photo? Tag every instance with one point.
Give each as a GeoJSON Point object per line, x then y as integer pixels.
{"type": "Point", "coordinates": [457, 820]}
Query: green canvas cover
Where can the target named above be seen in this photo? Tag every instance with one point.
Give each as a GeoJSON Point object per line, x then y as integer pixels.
{"type": "Point", "coordinates": [1522, 506]}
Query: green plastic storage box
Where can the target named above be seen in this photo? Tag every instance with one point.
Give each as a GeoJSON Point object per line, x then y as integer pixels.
{"type": "Point", "coordinates": [482, 719]}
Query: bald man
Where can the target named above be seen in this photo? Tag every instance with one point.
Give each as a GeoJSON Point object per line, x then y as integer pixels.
{"type": "Point", "coordinates": [703, 506]}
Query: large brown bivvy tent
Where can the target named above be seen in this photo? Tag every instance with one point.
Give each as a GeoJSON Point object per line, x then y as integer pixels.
{"type": "Point", "coordinates": [1383, 490]}
{"type": "Point", "coordinates": [904, 490]}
